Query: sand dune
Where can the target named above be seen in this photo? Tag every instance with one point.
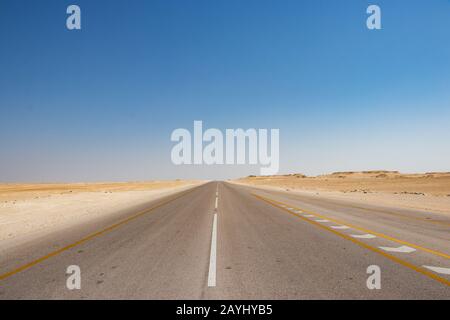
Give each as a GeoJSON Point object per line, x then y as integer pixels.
{"type": "Point", "coordinates": [437, 184]}
{"type": "Point", "coordinates": [424, 191]}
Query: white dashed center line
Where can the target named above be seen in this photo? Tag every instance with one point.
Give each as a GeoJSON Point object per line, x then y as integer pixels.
{"type": "Point", "coordinates": [340, 227]}
{"type": "Point", "coordinates": [402, 249]}
{"type": "Point", "coordinates": [439, 270]}
{"type": "Point", "coordinates": [212, 258]}
{"type": "Point", "coordinates": [363, 236]}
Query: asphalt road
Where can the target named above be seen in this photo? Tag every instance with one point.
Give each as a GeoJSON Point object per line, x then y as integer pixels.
{"type": "Point", "coordinates": [256, 244]}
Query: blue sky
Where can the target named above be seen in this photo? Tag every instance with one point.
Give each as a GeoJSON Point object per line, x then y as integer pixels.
{"type": "Point", "coordinates": [101, 103]}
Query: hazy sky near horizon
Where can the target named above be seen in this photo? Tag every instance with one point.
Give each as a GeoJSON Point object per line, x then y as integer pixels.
{"type": "Point", "coordinates": [101, 103]}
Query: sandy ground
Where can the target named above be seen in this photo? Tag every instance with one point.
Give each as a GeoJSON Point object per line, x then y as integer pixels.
{"type": "Point", "coordinates": [29, 211]}
{"type": "Point", "coordinates": [12, 192]}
{"type": "Point", "coordinates": [428, 191]}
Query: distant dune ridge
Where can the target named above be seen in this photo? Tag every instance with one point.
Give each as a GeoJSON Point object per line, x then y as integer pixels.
{"type": "Point", "coordinates": [422, 191]}
{"type": "Point", "coordinates": [430, 183]}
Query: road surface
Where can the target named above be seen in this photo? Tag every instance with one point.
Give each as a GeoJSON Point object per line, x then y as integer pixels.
{"type": "Point", "coordinates": [226, 241]}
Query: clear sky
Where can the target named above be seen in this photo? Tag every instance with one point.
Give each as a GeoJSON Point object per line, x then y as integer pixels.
{"type": "Point", "coordinates": [101, 103]}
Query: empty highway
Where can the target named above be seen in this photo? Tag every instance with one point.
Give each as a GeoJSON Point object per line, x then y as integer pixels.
{"type": "Point", "coordinates": [226, 241]}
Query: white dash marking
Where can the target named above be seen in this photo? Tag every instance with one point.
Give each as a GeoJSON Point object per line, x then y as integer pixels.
{"type": "Point", "coordinates": [439, 270]}
{"type": "Point", "coordinates": [290, 208]}
{"type": "Point", "coordinates": [363, 236]}
{"type": "Point", "coordinates": [212, 257]}
{"type": "Point", "coordinates": [322, 220]}
{"type": "Point", "coordinates": [217, 202]}
{"type": "Point", "coordinates": [340, 227]}
{"type": "Point", "coordinates": [309, 215]}
{"type": "Point", "coordinates": [298, 211]}
{"type": "Point", "coordinates": [402, 249]}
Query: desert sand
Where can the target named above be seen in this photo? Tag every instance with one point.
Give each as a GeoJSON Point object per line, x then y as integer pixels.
{"type": "Point", "coordinates": [29, 211]}
{"type": "Point", "coordinates": [427, 191]}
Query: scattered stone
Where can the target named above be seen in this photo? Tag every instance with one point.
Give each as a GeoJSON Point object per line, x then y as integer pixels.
{"type": "Point", "coordinates": [415, 193]}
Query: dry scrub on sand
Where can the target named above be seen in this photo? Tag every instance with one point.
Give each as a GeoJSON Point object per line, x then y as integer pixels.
{"type": "Point", "coordinates": [428, 191]}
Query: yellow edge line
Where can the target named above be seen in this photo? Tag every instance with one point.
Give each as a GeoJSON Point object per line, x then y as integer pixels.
{"type": "Point", "coordinates": [362, 244]}
{"type": "Point", "coordinates": [89, 237]}
{"type": "Point", "coordinates": [381, 235]}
